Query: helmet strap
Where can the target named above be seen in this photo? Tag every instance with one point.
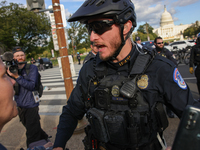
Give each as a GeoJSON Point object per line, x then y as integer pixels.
{"type": "Point", "coordinates": [123, 41]}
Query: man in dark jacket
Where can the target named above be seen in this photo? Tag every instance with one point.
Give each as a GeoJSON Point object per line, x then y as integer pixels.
{"type": "Point", "coordinates": [79, 58]}
{"type": "Point", "coordinates": [195, 60]}
{"type": "Point", "coordinates": [91, 54]}
{"type": "Point", "coordinates": [158, 42]}
{"type": "Point", "coordinates": [41, 65]}
{"type": "Point", "coordinates": [26, 98]}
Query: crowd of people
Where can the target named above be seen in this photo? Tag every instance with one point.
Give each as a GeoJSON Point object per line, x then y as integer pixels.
{"type": "Point", "coordinates": [122, 87]}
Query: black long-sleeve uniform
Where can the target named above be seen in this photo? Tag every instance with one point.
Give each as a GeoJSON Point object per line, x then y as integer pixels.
{"type": "Point", "coordinates": [166, 53]}
{"type": "Point", "coordinates": [195, 60]}
{"type": "Point", "coordinates": [164, 84]}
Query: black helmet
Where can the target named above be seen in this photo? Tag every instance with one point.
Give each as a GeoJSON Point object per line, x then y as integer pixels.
{"type": "Point", "coordinates": [16, 49]}
{"type": "Point", "coordinates": [120, 10]}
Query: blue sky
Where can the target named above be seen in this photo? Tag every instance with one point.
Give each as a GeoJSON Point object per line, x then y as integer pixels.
{"type": "Point", "coordinates": [150, 11]}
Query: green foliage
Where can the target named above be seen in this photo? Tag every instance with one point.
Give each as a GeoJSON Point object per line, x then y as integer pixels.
{"type": "Point", "coordinates": [82, 50]}
{"type": "Point", "coordinates": [142, 28]}
{"type": "Point", "coordinates": [141, 32]}
{"type": "Point", "coordinates": [78, 35]}
{"type": "Point", "coordinates": [54, 62]}
{"type": "Point", "coordinates": [192, 31]}
{"type": "Point", "coordinates": [143, 36]}
{"type": "Point", "coordinates": [21, 27]}
{"type": "Point", "coordinates": [47, 54]}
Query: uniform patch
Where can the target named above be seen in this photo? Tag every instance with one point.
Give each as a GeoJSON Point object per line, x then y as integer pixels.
{"type": "Point", "coordinates": [178, 79]}
{"type": "Point", "coordinates": [143, 82]}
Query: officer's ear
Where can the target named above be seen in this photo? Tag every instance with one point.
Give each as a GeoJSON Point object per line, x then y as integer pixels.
{"type": "Point", "coordinates": [127, 27]}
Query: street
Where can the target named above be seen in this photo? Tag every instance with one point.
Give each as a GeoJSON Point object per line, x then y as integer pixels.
{"type": "Point", "coordinates": [190, 79]}
{"type": "Point", "coordinates": [54, 96]}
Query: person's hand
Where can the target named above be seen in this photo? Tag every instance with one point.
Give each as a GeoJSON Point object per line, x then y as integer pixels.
{"type": "Point", "coordinates": [168, 148]}
{"type": "Point", "coordinates": [49, 144]}
{"type": "Point", "coordinates": [58, 148]}
{"type": "Point", "coordinates": [15, 75]}
{"type": "Point", "coordinates": [191, 70]}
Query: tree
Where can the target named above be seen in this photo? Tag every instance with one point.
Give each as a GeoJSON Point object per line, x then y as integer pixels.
{"type": "Point", "coordinates": [23, 28]}
{"type": "Point", "coordinates": [192, 30]}
{"type": "Point", "coordinates": [79, 35]}
{"type": "Point", "coordinates": [143, 34]}
{"type": "Point", "coordinates": [142, 28]}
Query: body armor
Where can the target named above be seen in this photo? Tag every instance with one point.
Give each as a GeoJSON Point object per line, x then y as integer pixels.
{"type": "Point", "coordinates": [117, 111]}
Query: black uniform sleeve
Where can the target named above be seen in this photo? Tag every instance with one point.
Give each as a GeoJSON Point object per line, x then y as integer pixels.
{"type": "Point", "coordinates": [192, 56]}
{"type": "Point", "coordinates": [169, 56]}
{"type": "Point", "coordinates": [175, 91]}
{"type": "Point", "coordinates": [73, 111]}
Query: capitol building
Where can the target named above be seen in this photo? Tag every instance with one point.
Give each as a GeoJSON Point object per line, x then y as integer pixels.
{"type": "Point", "coordinates": [167, 29]}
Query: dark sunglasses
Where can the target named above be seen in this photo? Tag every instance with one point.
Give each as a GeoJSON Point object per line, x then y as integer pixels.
{"type": "Point", "coordinates": [99, 27]}
{"type": "Point", "coordinates": [160, 43]}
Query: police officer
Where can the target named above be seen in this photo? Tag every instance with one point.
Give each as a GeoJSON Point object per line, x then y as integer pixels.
{"type": "Point", "coordinates": [92, 53]}
{"type": "Point", "coordinates": [122, 88]}
{"type": "Point", "coordinates": [195, 59]}
{"type": "Point", "coordinates": [161, 50]}
{"type": "Point", "coordinates": [138, 41]}
{"type": "Point", "coordinates": [79, 58]}
{"type": "Point", "coordinates": [158, 42]}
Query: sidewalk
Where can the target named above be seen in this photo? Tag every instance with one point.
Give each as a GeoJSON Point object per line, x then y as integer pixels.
{"type": "Point", "coordinates": [13, 135]}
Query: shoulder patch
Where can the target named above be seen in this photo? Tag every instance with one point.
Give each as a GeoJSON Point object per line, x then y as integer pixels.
{"type": "Point", "coordinates": [178, 79]}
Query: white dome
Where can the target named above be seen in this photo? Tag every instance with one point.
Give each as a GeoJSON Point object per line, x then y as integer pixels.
{"type": "Point", "coordinates": [166, 18]}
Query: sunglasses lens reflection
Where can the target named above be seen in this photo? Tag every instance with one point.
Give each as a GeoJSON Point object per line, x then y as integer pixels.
{"type": "Point", "coordinates": [99, 27]}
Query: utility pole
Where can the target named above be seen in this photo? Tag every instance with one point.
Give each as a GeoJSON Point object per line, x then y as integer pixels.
{"type": "Point", "coordinates": [62, 48]}
{"type": "Point", "coordinates": [148, 39]}
{"type": "Point", "coordinates": [37, 7]}
{"type": "Point", "coordinates": [72, 38]}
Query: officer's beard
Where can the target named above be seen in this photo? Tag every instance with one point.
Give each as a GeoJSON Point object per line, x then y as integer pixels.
{"type": "Point", "coordinates": [158, 49]}
{"type": "Point", "coordinates": [115, 46]}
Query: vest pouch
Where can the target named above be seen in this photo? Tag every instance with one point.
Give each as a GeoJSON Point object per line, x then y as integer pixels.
{"type": "Point", "coordinates": [102, 98]}
{"type": "Point", "coordinates": [161, 117]}
{"type": "Point", "coordinates": [95, 118]}
{"type": "Point", "coordinates": [116, 126]}
{"type": "Point", "coordinates": [134, 135]}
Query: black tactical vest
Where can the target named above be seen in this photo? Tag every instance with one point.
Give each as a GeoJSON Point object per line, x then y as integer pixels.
{"type": "Point", "coordinates": [117, 112]}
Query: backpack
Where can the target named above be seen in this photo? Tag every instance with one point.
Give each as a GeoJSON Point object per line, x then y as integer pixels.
{"type": "Point", "coordinates": [39, 86]}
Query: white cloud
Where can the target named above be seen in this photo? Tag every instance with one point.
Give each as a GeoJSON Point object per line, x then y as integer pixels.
{"type": "Point", "coordinates": [184, 2]}
{"type": "Point", "coordinates": [150, 11]}
{"type": "Point", "coordinates": [146, 12]}
{"type": "Point", "coordinates": [67, 13]}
